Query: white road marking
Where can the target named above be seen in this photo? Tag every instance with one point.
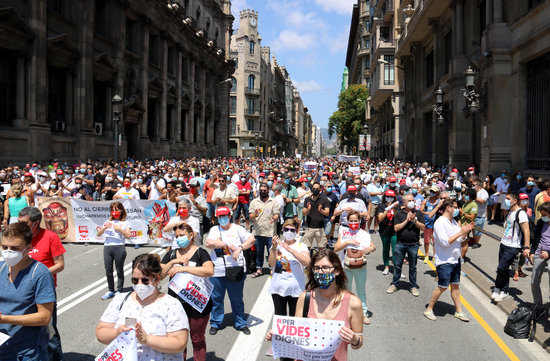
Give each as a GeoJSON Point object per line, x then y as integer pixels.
{"type": "Point", "coordinates": [92, 289]}
{"type": "Point", "coordinates": [248, 347]}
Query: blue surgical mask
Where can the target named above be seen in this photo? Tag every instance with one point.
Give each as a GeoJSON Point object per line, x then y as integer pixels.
{"type": "Point", "coordinates": [518, 177]}
{"type": "Point", "coordinates": [308, 178]}
{"type": "Point", "coordinates": [545, 219]}
{"type": "Point", "coordinates": [414, 191]}
{"type": "Point", "coordinates": [287, 181]}
{"type": "Point", "coordinates": [456, 212]}
{"type": "Point", "coordinates": [530, 183]}
{"type": "Point", "coordinates": [507, 203]}
{"type": "Point", "coordinates": [329, 189]}
{"type": "Point", "coordinates": [223, 221]}
{"type": "Point", "coordinates": [466, 198]}
{"type": "Point", "coordinates": [323, 279]}
{"type": "Point", "coordinates": [270, 183]}
{"type": "Point", "coordinates": [503, 175]}
{"type": "Point", "coordinates": [183, 241]}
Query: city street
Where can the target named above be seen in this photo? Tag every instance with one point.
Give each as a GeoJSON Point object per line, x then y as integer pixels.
{"type": "Point", "coordinates": [398, 330]}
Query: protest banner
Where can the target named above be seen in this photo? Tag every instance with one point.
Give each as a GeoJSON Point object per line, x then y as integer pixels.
{"type": "Point", "coordinates": [310, 166]}
{"type": "Point", "coordinates": [76, 220]}
{"type": "Point", "coordinates": [123, 348]}
{"type": "Point", "coordinates": [355, 170]}
{"type": "Point", "coordinates": [305, 338]}
{"type": "Point", "coordinates": [349, 158]}
{"type": "Point", "coordinates": [192, 289]}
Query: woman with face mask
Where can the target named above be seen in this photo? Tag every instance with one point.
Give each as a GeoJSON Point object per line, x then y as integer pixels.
{"type": "Point", "coordinates": [162, 326]}
{"type": "Point", "coordinates": [468, 214]}
{"type": "Point", "coordinates": [384, 213]}
{"type": "Point", "coordinates": [356, 244]}
{"type": "Point", "coordinates": [329, 299]}
{"type": "Point", "coordinates": [188, 258]}
{"type": "Point", "coordinates": [14, 204]}
{"type": "Point", "coordinates": [226, 243]}
{"type": "Point", "coordinates": [287, 258]}
{"type": "Point", "coordinates": [116, 230]}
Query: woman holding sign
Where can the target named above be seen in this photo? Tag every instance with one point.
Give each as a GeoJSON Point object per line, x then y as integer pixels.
{"type": "Point", "coordinates": [159, 320]}
{"type": "Point", "coordinates": [193, 260]}
{"type": "Point", "coordinates": [357, 245]}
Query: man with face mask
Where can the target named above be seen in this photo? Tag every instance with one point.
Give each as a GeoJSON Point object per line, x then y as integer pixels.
{"type": "Point", "coordinates": [264, 211]}
{"type": "Point", "coordinates": [224, 195]}
{"type": "Point", "coordinates": [48, 250]}
{"type": "Point", "coordinates": [127, 192]}
{"type": "Point", "coordinates": [532, 191]}
{"type": "Point", "coordinates": [183, 215]}
{"type": "Point", "coordinates": [290, 197]}
{"type": "Point", "coordinates": [27, 308]}
{"type": "Point", "coordinates": [316, 209]}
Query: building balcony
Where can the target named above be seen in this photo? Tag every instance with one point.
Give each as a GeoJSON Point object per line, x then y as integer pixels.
{"type": "Point", "coordinates": [363, 51]}
{"type": "Point", "coordinates": [247, 134]}
{"type": "Point", "coordinates": [252, 112]}
{"type": "Point", "coordinates": [252, 91]}
{"type": "Point", "coordinates": [382, 84]}
{"type": "Point", "coordinates": [388, 10]}
{"type": "Point", "coordinates": [384, 46]}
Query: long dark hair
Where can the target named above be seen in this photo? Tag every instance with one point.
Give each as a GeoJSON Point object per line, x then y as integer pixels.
{"type": "Point", "coordinates": [341, 280]}
{"type": "Point", "coordinates": [148, 264]}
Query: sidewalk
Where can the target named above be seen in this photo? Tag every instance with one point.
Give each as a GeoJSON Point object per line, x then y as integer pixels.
{"type": "Point", "coordinates": [481, 270]}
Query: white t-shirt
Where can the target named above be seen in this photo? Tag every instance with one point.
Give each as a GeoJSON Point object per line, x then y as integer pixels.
{"type": "Point", "coordinates": [155, 194]}
{"type": "Point", "coordinates": [302, 194]}
{"type": "Point", "coordinates": [112, 237]}
{"type": "Point", "coordinates": [227, 193]}
{"type": "Point", "coordinates": [236, 236]}
{"type": "Point", "coordinates": [509, 239]}
{"type": "Point", "coordinates": [131, 193]}
{"type": "Point", "coordinates": [164, 315]}
{"type": "Point", "coordinates": [291, 281]}
{"type": "Point", "coordinates": [69, 186]}
{"type": "Point", "coordinates": [362, 236]}
{"type": "Point", "coordinates": [355, 204]}
{"type": "Point", "coordinates": [482, 208]}
{"type": "Point", "coordinates": [445, 252]}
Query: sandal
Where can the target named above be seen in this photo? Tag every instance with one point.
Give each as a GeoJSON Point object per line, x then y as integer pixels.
{"type": "Point", "coordinates": [521, 274]}
{"type": "Point", "coordinates": [516, 277]}
{"type": "Point", "coordinates": [257, 274]}
{"type": "Point", "coordinates": [366, 320]}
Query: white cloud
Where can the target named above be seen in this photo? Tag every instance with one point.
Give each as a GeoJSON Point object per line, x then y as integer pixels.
{"type": "Point", "coordinates": [292, 40]}
{"type": "Point", "coordinates": [292, 14]}
{"type": "Point", "coordinates": [339, 6]}
{"type": "Point", "coordinates": [338, 43]}
{"type": "Point", "coordinates": [307, 86]}
{"type": "Point", "coordinates": [237, 6]}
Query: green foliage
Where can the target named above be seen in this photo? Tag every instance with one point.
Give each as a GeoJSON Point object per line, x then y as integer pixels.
{"type": "Point", "coordinates": [347, 122]}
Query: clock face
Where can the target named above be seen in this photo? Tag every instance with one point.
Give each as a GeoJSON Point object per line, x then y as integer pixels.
{"type": "Point", "coordinates": [253, 21]}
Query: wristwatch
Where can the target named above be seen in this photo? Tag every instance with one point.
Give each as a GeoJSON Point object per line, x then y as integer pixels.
{"type": "Point", "coordinates": [526, 247]}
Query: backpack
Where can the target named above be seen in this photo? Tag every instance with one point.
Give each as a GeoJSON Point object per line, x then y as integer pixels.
{"type": "Point", "coordinates": [531, 228]}
{"type": "Point", "coordinates": [522, 322]}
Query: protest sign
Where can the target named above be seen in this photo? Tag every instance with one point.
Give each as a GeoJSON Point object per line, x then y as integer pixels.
{"type": "Point", "coordinates": [305, 338]}
{"type": "Point", "coordinates": [355, 170]}
{"type": "Point", "coordinates": [76, 220]}
{"type": "Point", "coordinates": [123, 348]}
{"type": "Point", "coordinates": [192, 289]}
{"type": "Point", "coordinates": [310, 166]}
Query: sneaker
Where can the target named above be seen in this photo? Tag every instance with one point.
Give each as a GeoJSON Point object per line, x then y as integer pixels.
{"type": "Point", "coordinates": [501, 296]}
{"type": "Point", "coordinates": [245, 330]}
{"type": "Point", "coordinates": [403, 276]}
{"type": "Point", "coordinates": [495, 294]}
{"type": "Point", "coordinates": [108, 295]}
{"type": "Point", "coordinates": [461, 316]}
{"type": "Point", "coordinates": [392, 289]}
{"type": "Point", "coordinates": [213, 330]}
{"type": "Point", "coordinates": [136, 246]}
{"type": "Point", "coordinates": [476, 245]}
{"type": "Point", "coordinates": [386, 271]}
{"type": "Point", "coordinates": [414, 292]}
{"type": "Point", "coordinates": [430, 315]}
{"type": "Point", "coordinates": [269, 351]}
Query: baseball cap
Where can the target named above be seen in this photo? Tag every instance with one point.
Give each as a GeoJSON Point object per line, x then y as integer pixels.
{"type": "Point", "coordinates": [194, 183]}
{"type": "Point", "coordinates": [59, 171]}
{"type": "Point", "coordinates": [28, 174]}
{"type": "Point", "coordinates": [471, 168]}
{"type": "Point", "coordinates": [390, 193]}
{"type": "Point", "coordinates": [222, 211]}
{"type": "Point", "coordinates": [455, 170]}
{"type": "Point", "coordinates": [262, 174]}
{"type": "Point", "coordinates": [285, 175]}
{"type": "Point", "coordinates": [523, 196]}
{"type": "Point", "coordinates": [402, 181]}
{"type": "Point", "coordinates": [405, 187]}
{"type": "Point", "coordinates": [352, 188]}
{"type": "Point", "coordinates": [392, 179]}
{"type": "Point", "coordinates": [435, 189]}
{"type": "Point", "coordinates": [302, 179]}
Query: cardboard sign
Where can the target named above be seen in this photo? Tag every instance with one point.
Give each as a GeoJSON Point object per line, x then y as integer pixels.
{"type": "Point", "coordinates": [355, 170]}
{"type": "Point", "coordinates": [192, 289]}
{"type": "Point", "coordinates": [123, 348]}
{"type": "Point", "coordinates": [310, 166]}
{"type": "Point", "coordinates": [305, 338]}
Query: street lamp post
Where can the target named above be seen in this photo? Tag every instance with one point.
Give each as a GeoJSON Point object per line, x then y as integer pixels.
{"type": "Point", "coordinates": [116, 106]}
{"type": "Point", "coordinates": [366, 132]}
{"type": "Point", "coordinates": [472, 97]}
{"type": "Point", "coordinates": [438, 106]}
{"type": "Point", "coordinates": [256, 136]}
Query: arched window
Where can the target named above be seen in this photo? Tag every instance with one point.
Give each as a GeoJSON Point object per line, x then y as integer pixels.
{"type": "Point", "coordinates": [251, 79]}
{"type": "Point", "coordinates": [233, 85]}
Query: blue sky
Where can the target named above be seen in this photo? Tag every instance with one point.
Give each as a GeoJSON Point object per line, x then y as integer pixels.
{"type": "Point", "coordinates": [310, 38]}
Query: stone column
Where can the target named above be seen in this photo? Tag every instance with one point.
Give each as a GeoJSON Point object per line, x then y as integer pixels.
{"type": "Point", "coordinates": [497, 11]}
{"type": "Point", "coordinates": [107, 128]}
{"type": "Point", "coordinates": [20, 121]}
{"type": "Point", "coordinates": [459, 33]}
{"type": "Point", "coordinates": [69, 96]}
{"type": "Point", "coordinates": [177, 128]}
{"type": "Point", "coordinates": [191, 114]}
{"type": "Point", "coordinates": [145, 82]}
{"type": "Point", "coordinates": [163, 100]}
{"type": "Point", "coordinates": [489, 12]}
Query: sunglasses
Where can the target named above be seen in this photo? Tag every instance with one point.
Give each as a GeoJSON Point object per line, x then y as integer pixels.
{"type": "Point", "coordinates": [144, 281]}
{"type": "Point", "coordinates": [289, 229]}
{"type": "Point", "coordinates": [180, 227]}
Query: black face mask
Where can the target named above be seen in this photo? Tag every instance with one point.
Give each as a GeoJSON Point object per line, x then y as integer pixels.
{"type": "Point", "coordinates": [352, 196]}
{"type": "Point", "coordinates": [316, 191]}
{"type": "Point", "coordinates": [264, 194]}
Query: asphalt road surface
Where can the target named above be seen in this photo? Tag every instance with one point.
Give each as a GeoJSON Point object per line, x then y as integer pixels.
{"type": "Point", "coordinates": [398, 331]}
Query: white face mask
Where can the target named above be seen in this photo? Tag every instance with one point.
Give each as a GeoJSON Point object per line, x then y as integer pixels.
{"type": "Point", "coordinates": [12, 257]}
{"type": "Point", "coordinates": [144, 291]}
{"type": "Point", "coordinates": [410, 204]}
{"type": "Point", "coordinates": [289, 236]}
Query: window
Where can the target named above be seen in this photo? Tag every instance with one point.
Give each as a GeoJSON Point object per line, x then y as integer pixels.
{"type": "Point", "coordinates": [198, 14]}
{"type": "Point", "coordinates": [385, 34]}
{"type": "Point", "coordinates": [233, 105]}
{"type": "Point", "coordinates": [250, 124]}
{"type": "Point", "coordinates": [100, 18]}
{"type": "Point", "coordinates": [100, 102]}
{"type": "Point", "coordinates": [233, 126]}
{"type": "Point", "coordinates": [367, 64]}
{"type": "Point", "coordinates": [367, 25]}
{"type": "Point", "coordinates": [389, 70]}
{"type": "Point", "coordinates": [57, 6]}
{"type": "Point", "coordinates": [169, 115]}
{"type": "Point", "coordinates": [233, 85]}
{"type": "Point", "coordinates": [429, 69]}
{"type": "Point", "coordinates": [216, 37]}
{"type": "Point", "coordinates": [130, 35]}
{"type": "Point", "coordinates": [56, 94]}
{"type": "Point", "coordinates": [184, 69]}
{"type": "Point", "coordinates": [534, 3]}
{"type": "Point", "coordinates": [448, 49]}
{"type": "Point", "coordinates": [250, 104]}
{"type": "Point", "coordinates": [152, 118]}
{"type": "Point", "coordinates": [183, 122]}
{"type": "Point", "coordinates": [154, 49]}
{"type": "Point", "coordinates": [8, 64]}
{"type": "Point", "coordinates": [366, 43]}
{"type": "Point", "coordinates": [197, 77]}
{"type": "Point", "coordinates": [207, 24]}
{"type": "Point", "coordinates": [170, 61]}
{"type": "Point", "coordinates": [482, 18]}
{"type": "Point", "coordinates": [251, 47]}
{"type": "Point", "coordinates": [251, 80]}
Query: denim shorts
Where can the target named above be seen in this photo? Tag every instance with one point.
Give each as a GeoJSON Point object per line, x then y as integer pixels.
{"type": "Point", "coordinates": [480, 222]}
{"type": "Point", "coordinates": [448, 273]}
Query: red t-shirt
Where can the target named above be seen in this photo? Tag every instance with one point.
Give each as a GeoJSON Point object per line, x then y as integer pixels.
{"type": "Point", "coordinates": [243, 199]}
{"type": "Point", "coordinates": [46, 245]}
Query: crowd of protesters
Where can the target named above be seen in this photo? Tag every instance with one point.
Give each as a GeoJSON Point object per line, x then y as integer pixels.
{"type": "Point", "coordinates": [311, 224]}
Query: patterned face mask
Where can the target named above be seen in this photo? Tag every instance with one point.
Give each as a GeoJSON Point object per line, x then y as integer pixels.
{"type": "Point", "coordinates": [323, 279]}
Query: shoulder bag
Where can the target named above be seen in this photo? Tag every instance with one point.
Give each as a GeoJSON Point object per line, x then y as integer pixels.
{"type": "Point", "coordinates": [234, 274]}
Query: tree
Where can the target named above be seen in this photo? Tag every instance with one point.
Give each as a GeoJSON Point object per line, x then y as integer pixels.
{"type": "Point", "coordinates": [347, 122]}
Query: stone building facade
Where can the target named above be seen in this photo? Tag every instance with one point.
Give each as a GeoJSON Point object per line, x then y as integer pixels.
{"type": "Point", "coordinates": [267, 115]}
{"type": "Point", "coordinates": [63, 61]}
{"type": "Point", "coordinates": [507, 45]}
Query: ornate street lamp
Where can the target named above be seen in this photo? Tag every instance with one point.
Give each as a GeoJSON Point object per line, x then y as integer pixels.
{"type": "Point", "coordinates": [438, 106]}
{"type": "Point", "coordinates": [366, 133]}
{"type": "Point", "coordinates": [472, 97]}
{"type": "Point", "coordinates": [116, 103]}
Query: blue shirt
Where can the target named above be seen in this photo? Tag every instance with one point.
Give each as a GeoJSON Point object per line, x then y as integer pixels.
{"type": "Point", "coordinates": [532, 193]}
{"type": "Point", "coordinates": [33, 285]}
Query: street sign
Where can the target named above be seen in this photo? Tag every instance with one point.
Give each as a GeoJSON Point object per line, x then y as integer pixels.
{"type": "Point", "coordinates": [368, 147]}
{"type": "Point", "coordinates": [361, 142]}
{"type": "Point", "coordinates": [368, 142]}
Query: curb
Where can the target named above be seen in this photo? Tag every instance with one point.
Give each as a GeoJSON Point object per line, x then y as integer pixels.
{"type": "Point", "coordinates": [507, 305]}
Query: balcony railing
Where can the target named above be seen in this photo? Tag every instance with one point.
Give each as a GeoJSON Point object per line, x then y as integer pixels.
{"type": "Point", "coordinates": [252, 112]}
{"type": "Point", "coordinates": [253, 91]}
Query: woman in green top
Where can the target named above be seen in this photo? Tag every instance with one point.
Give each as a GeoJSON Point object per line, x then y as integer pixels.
{"type": "Point", "coordinates": [14, 204]}
{"type": "Point", "coordinates": [468, 214]}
